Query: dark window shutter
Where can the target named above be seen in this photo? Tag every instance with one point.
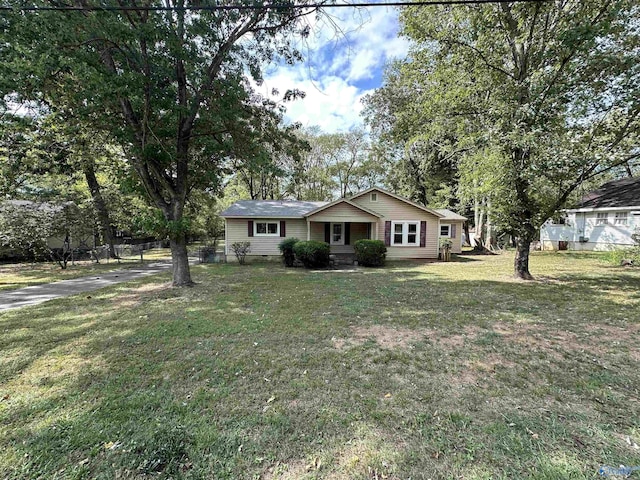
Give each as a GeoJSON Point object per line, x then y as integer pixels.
{"type": "Point", "coordinates": [283, 230]}
{"type": "Point", "coordinates": [347, 233]}
{"type": "Point", "coordinates": [453, 231]}
{"type": "Point", "coordinates": [369, 231]}
{"type": "Point", "coordinates": [387, 233]}
{"type": "Point", "coordinates": [327, 232]}
{"type": "Point", "coordinates": [250, 228]}
{"type": "Point", "coordinates": [423, 234]}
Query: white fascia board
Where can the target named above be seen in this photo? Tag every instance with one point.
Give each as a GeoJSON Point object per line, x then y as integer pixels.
{"type": "Point", "coordinates": [601, 209]}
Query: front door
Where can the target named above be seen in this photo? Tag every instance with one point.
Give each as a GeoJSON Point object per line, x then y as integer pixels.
{"type": "Point", "coordinates": [337, 234]}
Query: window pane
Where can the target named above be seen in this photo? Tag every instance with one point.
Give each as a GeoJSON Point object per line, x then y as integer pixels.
{"type": "Point", "coordinates": [411, 238]}
{"type": "Point", "coordinates": [398, 228]}
{"type": "Point", "coordinates": [444, 230]}
{"type": "Point", "coordinates": [397, 238]}
{"type": "Point", "coordinates": [413, 228]}
{"type": "Point", "coordinates": [273, 228]}
{"type": "Point", "coordinates": [261, 228]}
{"type": "Point", "coordinates": [337, 228]}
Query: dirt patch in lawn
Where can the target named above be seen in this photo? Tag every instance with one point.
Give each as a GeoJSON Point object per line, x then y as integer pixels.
{"type": "Point", "coordinates": [383, 335]}
{"type": "Point", "coordinates": [135, 296]}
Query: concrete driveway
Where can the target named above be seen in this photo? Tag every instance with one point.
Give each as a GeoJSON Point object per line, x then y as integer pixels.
{"type": "Point", "coordinates": [65, 288]}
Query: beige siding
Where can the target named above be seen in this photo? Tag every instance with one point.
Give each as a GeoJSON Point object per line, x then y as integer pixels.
{"type": "Point", "coordinates": [456, 246]}
{"type": "Point", "coordinates": [237, 231]}
{"type": "Point", "coordinates": [342, 212]}
{"type": "Point", "coordinates": [393, 209]}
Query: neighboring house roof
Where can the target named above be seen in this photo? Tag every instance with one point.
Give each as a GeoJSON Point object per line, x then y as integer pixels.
{"type": "Point", "coordinates": [398, 197]}
{"type": "Point", "coordinates": [449, 215]}
{"type": "Point", "coordinates": [271, 208]}
{"type": "Point", "coordinates": [618, 193]}
{"type": "Point", "coordinates": [342, 200]}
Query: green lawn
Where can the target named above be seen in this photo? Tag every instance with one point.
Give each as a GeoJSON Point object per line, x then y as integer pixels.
{"type": "Point", "coordinates": [436, 371]}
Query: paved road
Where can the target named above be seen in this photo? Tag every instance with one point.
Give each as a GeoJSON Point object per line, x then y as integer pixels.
{"type": "Point", "coordinates": [64, 288]}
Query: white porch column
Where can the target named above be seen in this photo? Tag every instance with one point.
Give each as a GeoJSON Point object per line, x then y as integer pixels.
{"type": "Point", "coordinates": [308, 230]}
{"type": "Point", "coordinates": [375, 229]}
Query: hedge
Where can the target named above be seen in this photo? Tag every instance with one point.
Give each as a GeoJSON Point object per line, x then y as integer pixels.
{"type": "Point", "coordinates": [370, 253]}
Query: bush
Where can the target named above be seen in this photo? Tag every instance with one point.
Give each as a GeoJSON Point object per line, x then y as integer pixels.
{"type": "Point", "coordinates": [370, 253]}
{"type": "Point", "coordinates": [617, 256]}
{"type": "Point", "coordinates": [312, 254]}
{"type": "Point", "coordinates": [241, 249]}
{"type": "Point", "coordinates": [286, 248]}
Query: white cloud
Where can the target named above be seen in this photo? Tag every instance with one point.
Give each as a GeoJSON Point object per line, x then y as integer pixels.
{"type": "Point", "coordinates": [351, 51]}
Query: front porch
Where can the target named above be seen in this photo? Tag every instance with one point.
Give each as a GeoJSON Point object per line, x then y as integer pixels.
{"type": "Point", "coordinates": [341, 235]}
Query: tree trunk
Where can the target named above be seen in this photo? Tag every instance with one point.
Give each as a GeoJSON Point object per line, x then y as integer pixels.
{"type": "Point", "coordinates": [104, 220]}
{"type": "Point", "coordinates": [180, 260]}
{"type": "Point", "coordinates": [521, 262]}
{"type": "Point", "coordinates": [466, 233]}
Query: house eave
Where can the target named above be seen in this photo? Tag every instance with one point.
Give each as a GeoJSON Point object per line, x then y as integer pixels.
{"type": "Point", "coordinates": [249, 217]}
{"type": "Point", "coordinates": [600, 209]}
{"type": "Point", "coordinates": [342, 200]}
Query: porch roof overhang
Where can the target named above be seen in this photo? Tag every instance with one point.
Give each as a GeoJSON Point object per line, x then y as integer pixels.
{"type": "Point", "coordinates": [342, 210]}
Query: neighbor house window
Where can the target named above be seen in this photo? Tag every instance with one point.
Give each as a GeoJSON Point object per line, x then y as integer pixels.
{"type": "Point", "coordinates": [267, 228]}
{"type": "Point", "coordinates": [621, 218]}
{"type": "Point", "coordinates": [374, 197]}
{"type": "Point", "coordinates": [445, 230]}
{"type": "Point", "coordinates": [602, 219]}
{"type": "Point", "coordinates": [337, 234]}
{"type": "Point", "coordinates": [405, 233]}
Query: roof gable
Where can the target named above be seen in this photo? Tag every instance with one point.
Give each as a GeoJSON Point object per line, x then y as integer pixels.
{"type": "Point", "coordinates": [342, 200]}
{"type": "Point", "coordinates": [398, 197]}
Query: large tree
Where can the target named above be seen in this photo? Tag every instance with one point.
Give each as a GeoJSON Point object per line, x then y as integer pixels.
{"type": "Point", "coordinates": [551, 89]}
{"type": "Point", "coordinates": [169, 82]}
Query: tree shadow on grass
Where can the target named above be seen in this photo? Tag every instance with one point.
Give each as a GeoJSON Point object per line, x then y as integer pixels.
{"type": "Point", "coordinates": [247, 382]}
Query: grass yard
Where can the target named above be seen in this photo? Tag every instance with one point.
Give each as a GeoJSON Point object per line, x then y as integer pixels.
{"type": "Point", "coordinates": [19, 275]}
{"type": "Point", "coordinates": [436, 371]}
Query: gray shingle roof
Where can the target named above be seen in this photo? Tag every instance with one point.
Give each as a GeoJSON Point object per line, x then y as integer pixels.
{"type": "Point", "coordinates": [619, 193]}
{"type": "Point", "coordinates": [449, 215]}
{"type": "Point", "coordinates": [270, 208]}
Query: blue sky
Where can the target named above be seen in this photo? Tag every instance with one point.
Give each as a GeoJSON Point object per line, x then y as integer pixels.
{"type": "Point", "coordinates": [341, 66]}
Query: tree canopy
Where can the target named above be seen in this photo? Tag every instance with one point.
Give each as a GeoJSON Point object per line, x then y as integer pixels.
{"type": "Point", "coordinates": [550, 91]}
{"type": "Point", "coordinates": [172, 87]}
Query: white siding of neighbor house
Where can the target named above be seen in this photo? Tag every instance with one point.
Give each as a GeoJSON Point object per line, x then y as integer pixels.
{"type": "Point", "coordinates": [583, 224]}
{"type": "Point", "coordinates": [237, 231]}
{"type": "Point", "coordinates": [393, 209]}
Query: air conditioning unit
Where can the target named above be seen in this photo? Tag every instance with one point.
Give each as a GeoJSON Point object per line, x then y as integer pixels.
{"type": "Point", "coordinates": [583, 239]}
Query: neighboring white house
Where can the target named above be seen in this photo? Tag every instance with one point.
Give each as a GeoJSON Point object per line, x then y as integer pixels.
{"type": "Point", "coordinates": [605, 219]}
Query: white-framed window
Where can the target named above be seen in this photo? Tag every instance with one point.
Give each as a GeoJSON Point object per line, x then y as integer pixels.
{"type": "Point", "coordinates": [374, 197]}
{"type": "Point", "coordinates": [445, 230]}
{"type": "Point", "coordinates": [602, 218]}
{"type": "Point", "coordinates": [621, 218]}
{"type": "Point", "coordinates": [405, 233]}
{"type": "Point", "coordinates": [267, 229]}
{"type": "Point", "coordinates": [337, 234]}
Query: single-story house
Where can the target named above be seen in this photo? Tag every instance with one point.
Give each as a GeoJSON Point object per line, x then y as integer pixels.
{"type": "Point", "coordinates": [603, 220]}
{"type": "Point", "coordinates": [409, 230]}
